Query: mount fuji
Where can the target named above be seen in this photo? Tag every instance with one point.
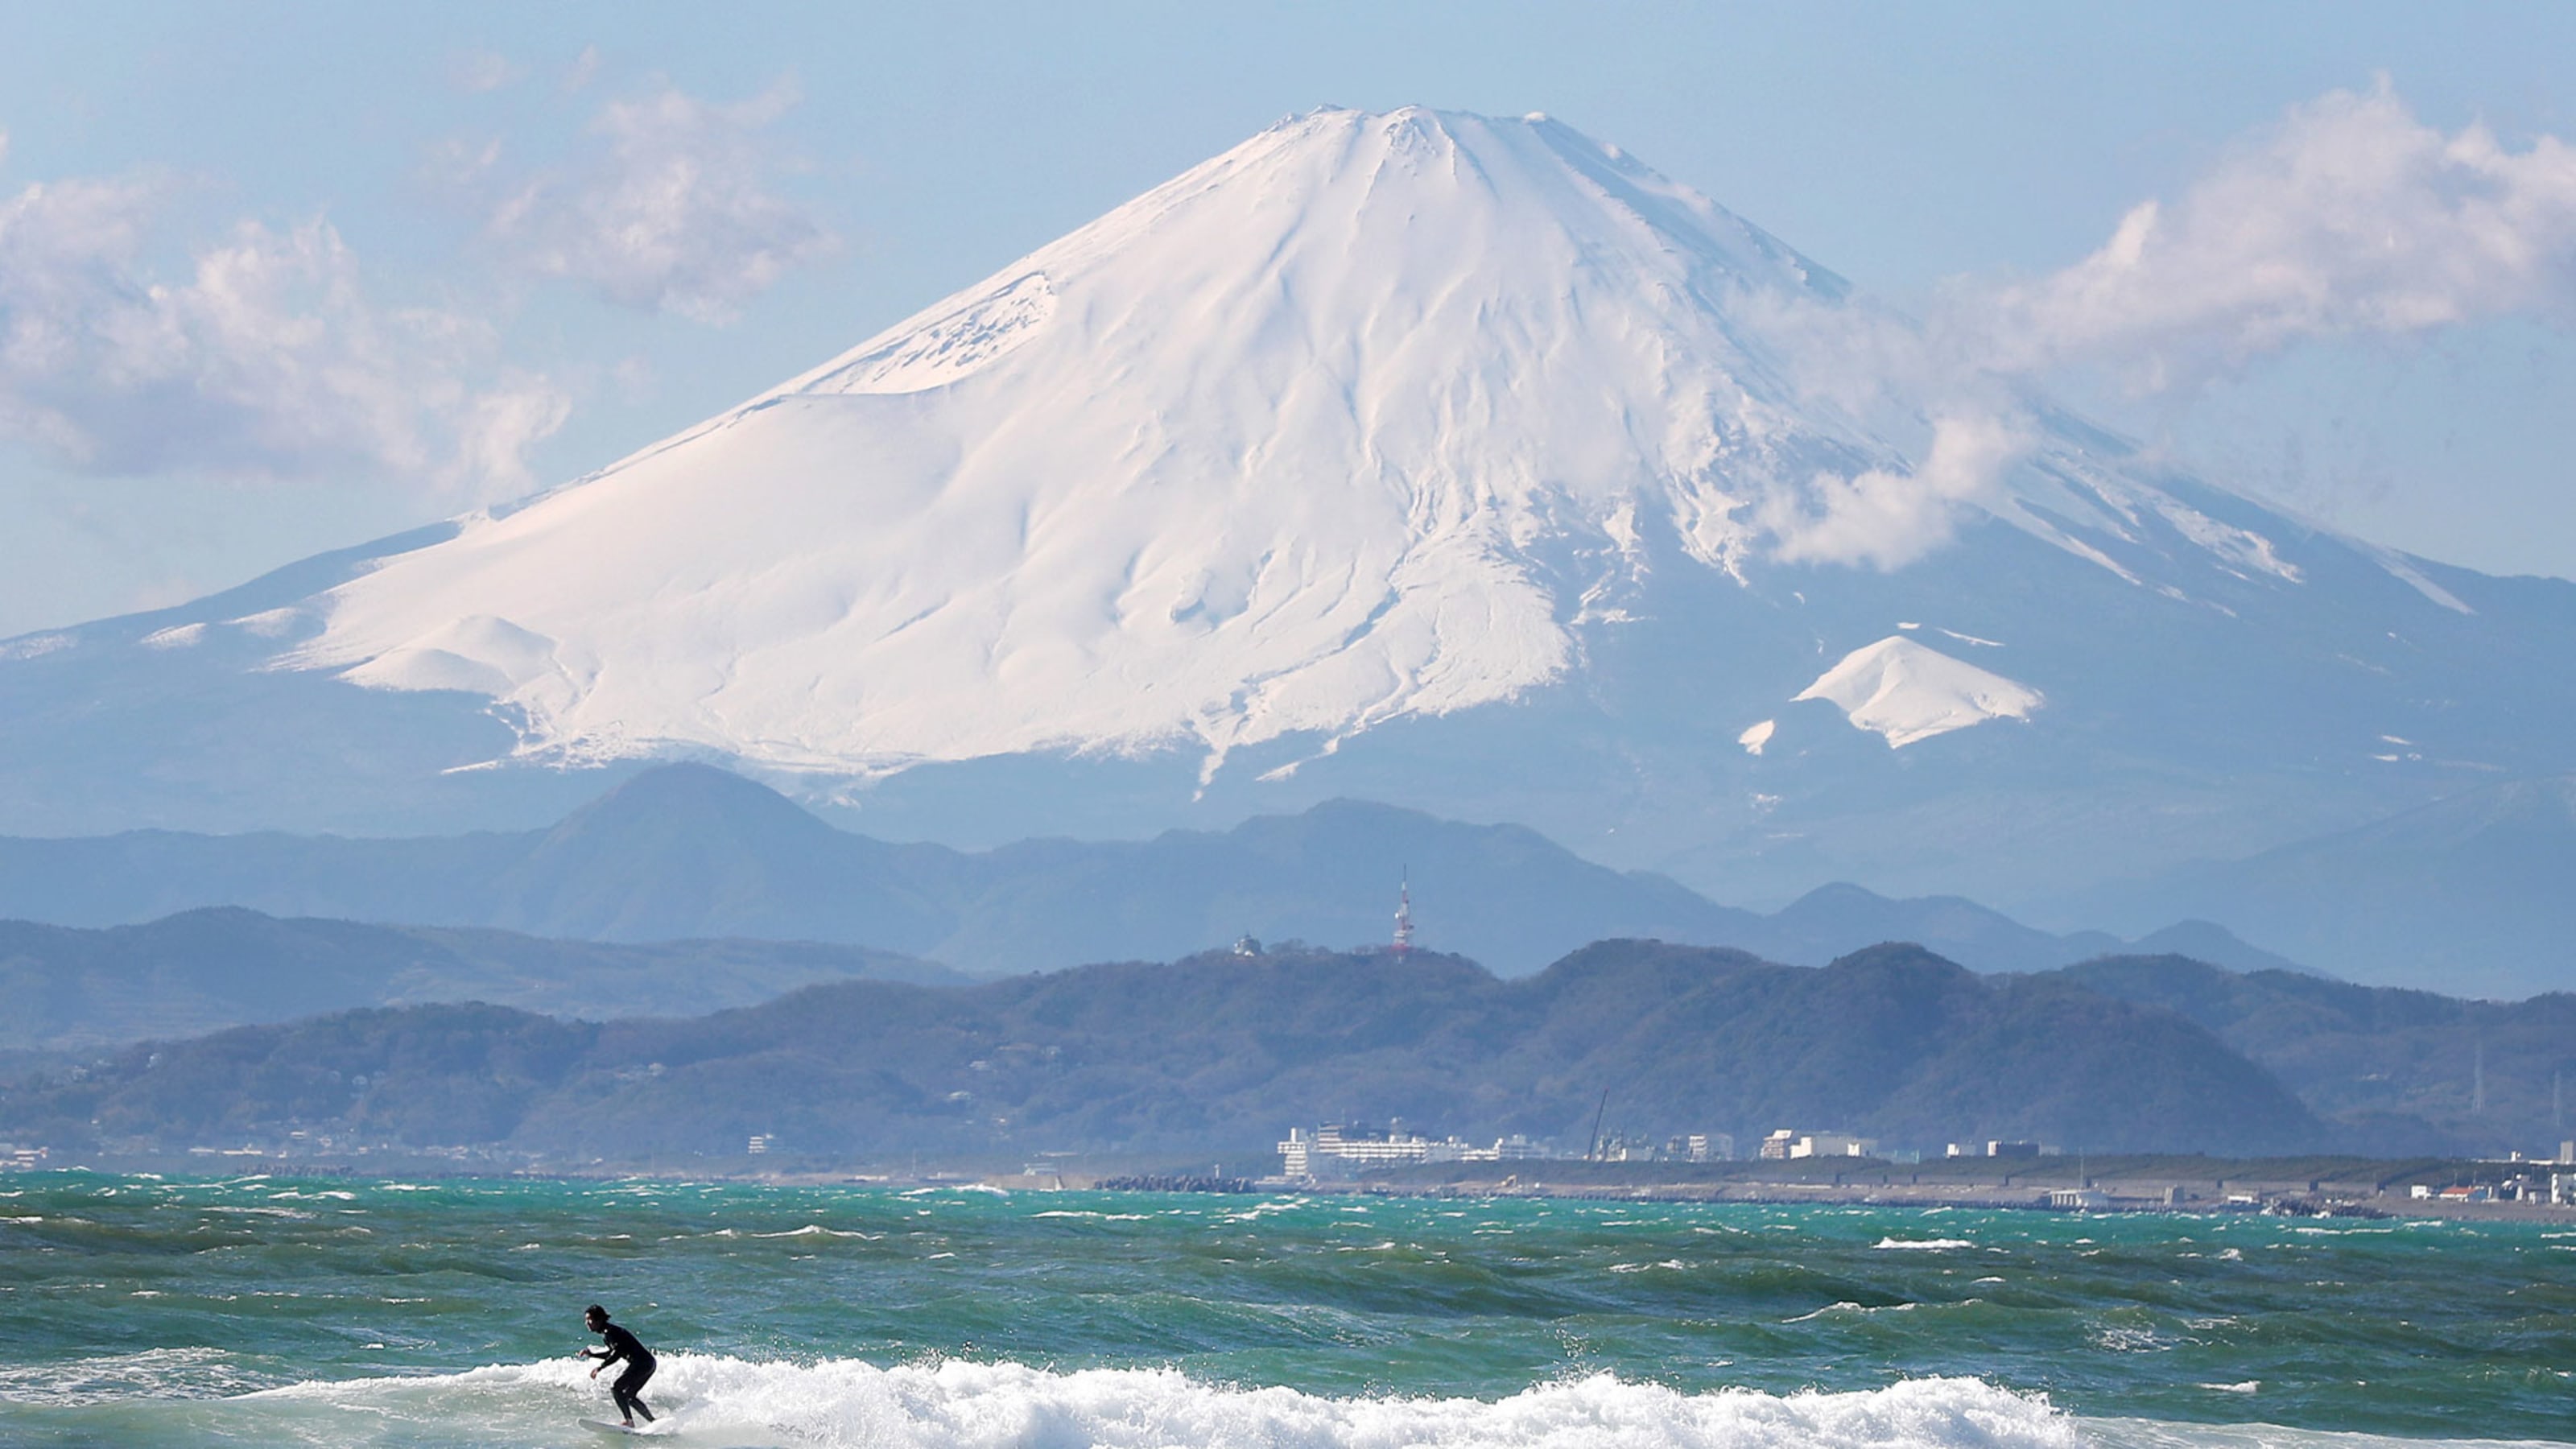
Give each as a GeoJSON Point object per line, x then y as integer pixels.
{"type": "Point", "coordinates": [1460, 463]}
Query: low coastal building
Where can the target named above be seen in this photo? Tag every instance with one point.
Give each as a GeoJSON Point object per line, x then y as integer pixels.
{"type": "Point", "coordinates": [1998, 1148]}
{"type": "Point", "coordinates": [1338, 1151]}
{"type": "Point", "coordinates": [1789, 1143]}
{"type": "Point", "coordinates": [1701, 1147]}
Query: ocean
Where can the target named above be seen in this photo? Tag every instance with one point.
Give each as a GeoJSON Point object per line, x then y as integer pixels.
{"type": "Point", "coordinates": [138, 1311]}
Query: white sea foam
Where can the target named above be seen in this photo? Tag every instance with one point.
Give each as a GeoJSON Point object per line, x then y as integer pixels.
{"type": "Point", "coordinates": [1924, 1245]}
{"type": "Point", "coordinates": [1007, 1406]}
{"type": "Point", "coordinates": [2150, 1434]}
{"type": "Point", "coordinates": [175, 1397]}
{"type": "Point", "coordinates": [817, 1230]}
{"type": "Point", "coordinates": [191, 1372]}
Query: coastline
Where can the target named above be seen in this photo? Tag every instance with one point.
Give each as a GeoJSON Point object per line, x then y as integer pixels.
{"type": "Point", "coordinates": [2302, 1187]}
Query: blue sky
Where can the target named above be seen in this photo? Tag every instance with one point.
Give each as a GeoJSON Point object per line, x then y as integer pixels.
{"type": "Point", "coordinates": [277, 278]}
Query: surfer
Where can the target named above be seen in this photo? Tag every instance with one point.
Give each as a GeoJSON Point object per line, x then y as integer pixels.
{"type": "Point", "coordinates": [629, 1388]}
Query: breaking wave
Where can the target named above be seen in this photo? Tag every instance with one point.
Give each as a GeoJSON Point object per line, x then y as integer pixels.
{"type": "Point", "coordinates": [718, 1401]}
{"type": "Point", "coordinates": [956, 1405]}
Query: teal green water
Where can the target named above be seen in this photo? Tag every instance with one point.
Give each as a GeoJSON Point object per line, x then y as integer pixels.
{"type": "Point", "coordinates": [139, 1311]}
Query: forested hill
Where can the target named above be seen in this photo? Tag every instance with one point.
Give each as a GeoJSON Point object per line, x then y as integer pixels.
{"type": "Point", "coordinates": [1219, 1053]}
{"type": "Point", "coordinates": [2409, 1071]}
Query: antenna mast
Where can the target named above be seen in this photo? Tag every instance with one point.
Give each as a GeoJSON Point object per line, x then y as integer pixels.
{"type": "Point", "coordinates": [1404, 911]}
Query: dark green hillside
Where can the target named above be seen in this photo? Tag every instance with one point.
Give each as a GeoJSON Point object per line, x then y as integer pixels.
{"type": "Point", "coordinates": [2411, 1070]}
{"type": "Point", "coordinates": [1898, 1043]}
{"type": "Point", "coordinates": [1220, 1053]}
{"type": "Point", "coordinates": [420, 1076]}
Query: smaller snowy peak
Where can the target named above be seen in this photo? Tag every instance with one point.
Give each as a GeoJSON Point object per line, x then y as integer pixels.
{"type": "Point", "coordinates": [1906, 692]}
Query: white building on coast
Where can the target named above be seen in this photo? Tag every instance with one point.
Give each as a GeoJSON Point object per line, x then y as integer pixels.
{"type": "Point", "coordinates": [1334, 1152]}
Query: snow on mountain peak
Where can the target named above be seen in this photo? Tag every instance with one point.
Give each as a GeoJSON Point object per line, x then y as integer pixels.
{"type": "Point", "coordinates": [1310, 437]}
{"type": "Point", "coordinates": [1907, 691]}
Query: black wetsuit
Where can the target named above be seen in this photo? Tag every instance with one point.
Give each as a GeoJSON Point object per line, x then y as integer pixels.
{"type": "Point", "coordinates": [629, 1388]}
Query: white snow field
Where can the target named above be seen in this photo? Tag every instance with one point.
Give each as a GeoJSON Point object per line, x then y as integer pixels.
{"type": "Point", "coordinates": [1279, 447]}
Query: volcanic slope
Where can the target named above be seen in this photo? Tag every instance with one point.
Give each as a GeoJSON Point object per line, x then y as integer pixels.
{"type": "Point", "coordinates": [1460, 463]}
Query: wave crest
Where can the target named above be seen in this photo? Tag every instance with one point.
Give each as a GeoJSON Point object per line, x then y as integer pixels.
{"type": "Point", "coordinates": [957, 1405]}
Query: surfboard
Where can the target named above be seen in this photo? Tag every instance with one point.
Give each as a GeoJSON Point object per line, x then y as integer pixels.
{"type": "Point", "coordinates": [610, 1426]}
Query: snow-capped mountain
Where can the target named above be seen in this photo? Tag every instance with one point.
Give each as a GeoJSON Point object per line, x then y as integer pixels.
{"type": "Point", "coordinates": [1290, 445]}
{"type": "Point", "coordinates": [1458, 462]}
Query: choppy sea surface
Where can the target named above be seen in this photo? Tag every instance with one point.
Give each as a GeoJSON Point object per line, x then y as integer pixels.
{"type": "Point", "coordinates": [137, 1311]}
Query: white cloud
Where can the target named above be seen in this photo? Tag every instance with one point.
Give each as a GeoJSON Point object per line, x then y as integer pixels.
{"type": "Point", "coordinates": [1897, 379]}
{"type": "Point", "coordinates": [673, 209]}
{"type": "Point", "coordinates": [2350, 217]}
{"type": "Point", "coordinates": [1889, 519]}
{"type": "Point", "coordinates": [261, 356]}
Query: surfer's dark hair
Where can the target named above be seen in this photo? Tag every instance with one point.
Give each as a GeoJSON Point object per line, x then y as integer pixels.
{"type": "Point", "coordinates": [594, 1311]}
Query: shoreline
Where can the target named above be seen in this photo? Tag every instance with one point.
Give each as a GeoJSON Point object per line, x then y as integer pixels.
{"type": "Point", "coordinates": [2297, 1187]}
{"type": "Point", "coordinates": [1930, 1196]}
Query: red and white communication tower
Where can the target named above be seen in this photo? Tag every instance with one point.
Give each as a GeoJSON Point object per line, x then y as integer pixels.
{"type": "Point", "coordinates": [1404, 912]}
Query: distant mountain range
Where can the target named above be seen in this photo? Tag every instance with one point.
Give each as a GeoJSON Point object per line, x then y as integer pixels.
{"type": "Point", "coordinates": [1218, 1054]}
{"type": "Point", "coordinates": [690, 852]}
{"type": "Point", "coordinates": [63, 988]}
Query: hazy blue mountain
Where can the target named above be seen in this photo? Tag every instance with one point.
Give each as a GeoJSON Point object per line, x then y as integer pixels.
{"type": "Point", "coordinates": [693, 851]}
{"type": "Point", "coordinates": [63, 987]}
{"type": "Point", "coordinates": [2474, 895]}
{"type": "Point", "coordinates": [678, 852]}
{"type": "Point", "coordinates": [1498, 894]}
{"type": "Point", "coordinates": [1219, 1054]}
{"type": "Point", "coordinates": [2215, 944]}
{"type": "Point", "coordinates": [690, 851]}
{"type": "Point", "coordinates": [1831, 920]}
